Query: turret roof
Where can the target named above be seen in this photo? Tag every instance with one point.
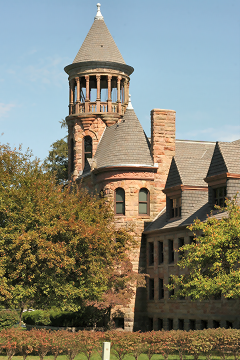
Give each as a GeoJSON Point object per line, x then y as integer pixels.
{"type": "Point", "coordinates": [99, 44]}
{"type": "Point", "coordinates": [124, 143]}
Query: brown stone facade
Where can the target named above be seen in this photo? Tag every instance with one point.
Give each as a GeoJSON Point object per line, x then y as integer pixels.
{"type": "Point", "coordinates": [185, 314]}
{"type": "Point", "coordinates": [129, 178]}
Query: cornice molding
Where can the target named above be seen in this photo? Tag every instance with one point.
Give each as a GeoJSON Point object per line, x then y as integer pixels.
{"type": "Point", "coordinates": [178, 189]}
{"type": "Point", "coordinates": [220, 179]}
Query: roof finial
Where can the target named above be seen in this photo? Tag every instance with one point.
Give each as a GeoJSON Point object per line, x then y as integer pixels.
{"type": "Point", "coordinates": [98, 15]}
{"type": "Point", "coordinates": [130, 107]}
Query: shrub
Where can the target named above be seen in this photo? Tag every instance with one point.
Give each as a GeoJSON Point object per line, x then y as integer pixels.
{"type": "Point", "coordinates": [8, 318]}
{"type": "Point", "coordinates": [37, 317]}
{"type": "Point", "coordinates": [86, 317]}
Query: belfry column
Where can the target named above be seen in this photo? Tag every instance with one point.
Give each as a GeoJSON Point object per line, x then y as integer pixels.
{"type": "Point", "coordinates": [118, 94]}
{"type": "Point", "coordinates": [98, 100]}
{"type": "Point", "coordinates": [125, 91]}
{"type": "Point", "coordinates": [87, 94]}
{"type": "Point", "coordinates": [109, 101]}
{"type": "Point", "coordinates": [78, 95]}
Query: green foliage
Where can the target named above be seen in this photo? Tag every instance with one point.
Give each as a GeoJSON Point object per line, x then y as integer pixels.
{"type": "Point", "coordinates": [8, 318]}
{"type": "Point", "coordinates": [58, 246]}
{"type": "Point", "coordinates": [86, 317]}
{"type": "Point", "coordinates": [37, 317]}
{"type": "Point", "coordinates": [212, 262]}
{"type": "Point", "coordinates": [57, 160]}
{"type": "Point", "coordinates": [221, 342]}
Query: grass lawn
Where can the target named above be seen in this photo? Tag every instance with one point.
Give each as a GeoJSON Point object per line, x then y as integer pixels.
{"type": "Point", "coordinates": [98, 357]}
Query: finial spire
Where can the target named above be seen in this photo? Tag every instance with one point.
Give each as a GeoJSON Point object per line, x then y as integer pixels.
{"type": "Point", "coordinates": [130, 107]}
{"type": "Point", "coordinates": [98, 15]}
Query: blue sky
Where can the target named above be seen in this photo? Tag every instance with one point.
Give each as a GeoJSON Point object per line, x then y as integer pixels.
{"type": "Point", "coordinates": [186, 56]}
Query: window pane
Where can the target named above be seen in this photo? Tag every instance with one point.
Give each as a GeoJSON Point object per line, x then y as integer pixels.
{"type": "Point", "coordinates": [143, 195]}
{"type": "Point", "coordinates": [119, 208]}
{"type": "Point", "coordinates": [142, 208]}
{"type": "Point", "coordinates": [88, 145]}
{"type": "Point", "coordinates": [88, 156]}
{"type": "Point", "coordinates": [120, 195]}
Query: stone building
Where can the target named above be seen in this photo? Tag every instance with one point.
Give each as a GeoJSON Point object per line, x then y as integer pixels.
{"type": "Point", "coordinates": [110, 154]}
{"type": "Point", "coordinates": [201, 175]}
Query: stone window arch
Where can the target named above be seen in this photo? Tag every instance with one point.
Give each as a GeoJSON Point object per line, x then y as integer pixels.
{"type": "Point", "coordinates": [144, 202]}
{"type": "Point", "coordinates": [119, 201]}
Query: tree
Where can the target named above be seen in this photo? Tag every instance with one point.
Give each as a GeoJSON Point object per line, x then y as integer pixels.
{"type": "Point", "coordinates": [212, 261]}
{"type": "Point", "coordinates": [57, 160]}
{"type": "Point", "coordinates": [58, 246]}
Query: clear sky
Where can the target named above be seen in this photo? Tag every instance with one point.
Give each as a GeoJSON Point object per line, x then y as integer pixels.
{"type": "Point", "coordinates": [186, 56]}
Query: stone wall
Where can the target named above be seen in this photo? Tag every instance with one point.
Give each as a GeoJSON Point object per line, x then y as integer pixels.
{"type": "Point", "coordinates": [166, 312]}
{"type": "Point", "coordinates": [77, 132]}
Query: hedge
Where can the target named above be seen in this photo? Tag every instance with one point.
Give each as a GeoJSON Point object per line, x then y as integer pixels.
{"type": "Point", "coordinates": [8, 318]}
{"type": "Point", "coordinates": [221, 342]}
{"type": "Point", "coordinates": [87, 317]}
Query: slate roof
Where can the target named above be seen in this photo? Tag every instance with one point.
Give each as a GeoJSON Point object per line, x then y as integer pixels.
{"type": "Point", "coordinates": [200, 211]}
{"type": "Point", "coordinates": [188, 168]}
{"type": "Point", "coordinates": [226, 158]}
{"type": "Point", "coordinates": [190, 163]}
{"type": "Point", "coordinates": [124, 143]}
{"type": "Point", "coordinates": [99, 45]}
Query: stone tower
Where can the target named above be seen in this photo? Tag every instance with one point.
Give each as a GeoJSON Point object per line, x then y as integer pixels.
{"type": "Point", "coordinates": [99, 90]}
{"type": "Point", "coordinates": [108, 149]}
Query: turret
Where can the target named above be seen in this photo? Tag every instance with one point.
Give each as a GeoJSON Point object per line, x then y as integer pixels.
{"type": "Point", "coordinates": [99, 91]}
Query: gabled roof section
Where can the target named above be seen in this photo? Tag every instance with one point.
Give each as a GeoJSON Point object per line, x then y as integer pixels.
{"type": "Point", "coordinates": [200, 211]}
{"type": "Point", "coordinates": [174, 177]}
{"type": "Point", "coordinates": [226, 159]}
{"type": "Point", "coordinates": [99, 45]}
{"type": "Point", "coordinates": [190, 163]}
{"type": "Point", "coordinates": [124, 143]}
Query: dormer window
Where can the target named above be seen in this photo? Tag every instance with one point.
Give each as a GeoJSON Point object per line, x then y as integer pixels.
{"type": "Point", "coordinates": [220, 196]}
{"type": "Point", "coordinates": [176, 205]}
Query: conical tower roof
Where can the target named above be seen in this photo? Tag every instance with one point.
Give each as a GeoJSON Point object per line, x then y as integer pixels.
{"type": "Point", "coordinates": [99, 44]}
{"type": "Point", "coordinates": [124, 143]}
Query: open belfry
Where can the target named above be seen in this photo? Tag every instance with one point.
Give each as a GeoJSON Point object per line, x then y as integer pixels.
{"type": "Point", "coordinates": [159, 184]}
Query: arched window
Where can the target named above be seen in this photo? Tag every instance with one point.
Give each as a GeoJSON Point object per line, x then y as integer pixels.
{"type": "Point", "coordinates": [87, 148]}
{"type": "Point", "coordinates": [120, 201]}
{"type": "Point", "coordinates": [71, 155]}
{"type": "Point", "coordinates": [144, 202]}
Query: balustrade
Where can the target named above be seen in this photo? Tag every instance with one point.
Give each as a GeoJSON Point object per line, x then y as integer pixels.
{"type": "Point", "coordinates": [92, 107]}
{"type": "Point", "coordinates": [114, 107]}
{"type": "Point", "coordinates": [81, 108]}
{"type": "Point", "coordinates": [80, 94]}
{"type": "Point", "coordinates": [103, 107]}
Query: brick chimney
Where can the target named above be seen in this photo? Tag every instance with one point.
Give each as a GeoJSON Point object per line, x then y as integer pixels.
{"type": "Point", "coordinates": [162, 149]}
